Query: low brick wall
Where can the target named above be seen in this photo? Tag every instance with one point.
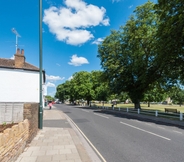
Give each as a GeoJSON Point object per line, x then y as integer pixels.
{"type": "Point", "coordinates": [14, 140]}
{"type": "Point", "coordinates": [31, 113]}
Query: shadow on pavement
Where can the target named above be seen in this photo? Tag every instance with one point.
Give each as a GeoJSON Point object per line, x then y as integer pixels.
{"type": "Point", "coordinates": [56, 123]}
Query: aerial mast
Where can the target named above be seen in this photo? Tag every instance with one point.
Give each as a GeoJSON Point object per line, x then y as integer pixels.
{"type": "Point", "coordinates": [17, 35]}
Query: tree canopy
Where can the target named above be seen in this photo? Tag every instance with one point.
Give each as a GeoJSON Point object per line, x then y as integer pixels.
{"type": "Point", "coordinates": [84, 86]}
{"type": "Point", "coordinates": [129, 55]}
{"type": "Point", "coordinates": [49, 98]}
{"type": "Point", "coordinates": [156, 93]}
{"type": "Point", "coordinates": [170, 35]}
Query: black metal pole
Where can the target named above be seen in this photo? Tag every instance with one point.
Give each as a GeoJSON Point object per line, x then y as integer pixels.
{"type": "Point", "coordinates": [40, 122]}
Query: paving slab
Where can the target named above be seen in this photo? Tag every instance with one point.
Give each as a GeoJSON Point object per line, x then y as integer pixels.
{"type": "Point", "coordinates": [58, 141]}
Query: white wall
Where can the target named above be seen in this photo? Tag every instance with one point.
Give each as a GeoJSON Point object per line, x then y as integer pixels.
{"type": "Point", "coordinates": [44, 90]}
{"type": "Point", "coordinates": [19, 85]}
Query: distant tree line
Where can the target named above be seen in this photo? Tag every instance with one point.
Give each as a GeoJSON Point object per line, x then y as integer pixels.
{"type": "Point", "coordinates": [49, 98]}
{"type": "Point", "coordinates": [84, 86]}
{"type": "Point", "coordinates": [93, 86]}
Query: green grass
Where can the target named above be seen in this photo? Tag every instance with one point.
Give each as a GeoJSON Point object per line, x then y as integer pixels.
{"type": "Point", "coordinates": [158, 107]}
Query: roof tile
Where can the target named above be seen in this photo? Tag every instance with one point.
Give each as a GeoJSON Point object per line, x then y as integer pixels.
{"type": "Point", "coordinates": [10, 63]}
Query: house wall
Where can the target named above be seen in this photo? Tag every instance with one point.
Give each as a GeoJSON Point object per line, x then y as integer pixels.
{"type": "Point", "coordinates": [19, 85]}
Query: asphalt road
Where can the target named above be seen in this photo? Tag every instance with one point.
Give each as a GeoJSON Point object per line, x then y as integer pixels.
{"type": "Point", "coordinates": [122, 139]}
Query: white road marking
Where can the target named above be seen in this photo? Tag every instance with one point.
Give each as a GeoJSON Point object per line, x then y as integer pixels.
{"type": "Point", "coordinates": [146, 131]}
{"type": "Point", "coordinates": [102, 158]}
{"type": "Point", "coordinates": [85, 110]}
{"type": "Point", "coordinates": [177, 132]}
{"type": "Point", "coordinates": [102, 116]}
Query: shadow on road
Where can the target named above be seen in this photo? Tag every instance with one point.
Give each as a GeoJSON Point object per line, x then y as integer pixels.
{"type": "Point", "coordinates": [139, 117]}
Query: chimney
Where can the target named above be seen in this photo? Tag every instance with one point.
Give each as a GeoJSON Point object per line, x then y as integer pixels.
{"type": "Point", "coordinates": [19, 59]}
{"type": "Point", "coordinates": [22, 51]}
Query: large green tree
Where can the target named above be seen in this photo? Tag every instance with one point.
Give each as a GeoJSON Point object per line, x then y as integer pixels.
{"type": "Point", "coordinates": [82, 86]}
{"type": "Point", "coordinates": [129, 55]}
{"type": "Point", "coordinates": [64, 91]}
{"type": "Point", "coordinates": [100, 86]}
{"type": "Point", "coordinates": [170, 36]}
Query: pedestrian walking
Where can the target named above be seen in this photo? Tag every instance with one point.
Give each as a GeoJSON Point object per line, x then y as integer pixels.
{"type": "Point", "coordinates": [50, 105]}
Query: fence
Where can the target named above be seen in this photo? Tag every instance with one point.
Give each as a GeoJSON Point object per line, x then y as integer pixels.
{"type": "Point", "coordinates": [178, 116]}
{"type": "Point", "coordinates": [11, 112]}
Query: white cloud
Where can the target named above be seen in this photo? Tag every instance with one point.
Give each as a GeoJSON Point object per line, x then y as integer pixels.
{"type": "Point", "coordinates": [77, 61]}
{"type": "Point", "coordinates": [12, 58]}
{"type": "Point", "coordinates": [49, 84]}
{"type": "Point", "coordinates": [130, 6]}
{"type": "Point", "coordinates": [54, 78]}
{"type": "Point", "coordinates": [70, 23]}
{"type": "Point", "coordinates": [70, 78]}
{"type": "Point", "coordinates": [97, 41]}
{"type": "Point", "coordinates": [58, 64]}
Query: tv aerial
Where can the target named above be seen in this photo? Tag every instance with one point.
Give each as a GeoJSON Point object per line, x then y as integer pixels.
{"type": "Point", "coordinates": [17, 35]}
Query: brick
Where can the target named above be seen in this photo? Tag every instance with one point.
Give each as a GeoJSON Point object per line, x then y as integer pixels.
{"type": "Point", "coordinates": [9, 132]}
{"type": "Point", "coordinates": [1, 139]}
{"type": "Point", "coordinates": [15, 130]}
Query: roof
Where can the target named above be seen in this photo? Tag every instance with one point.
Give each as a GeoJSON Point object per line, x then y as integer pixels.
{"type": "Point", "coordinates": [10, 63]}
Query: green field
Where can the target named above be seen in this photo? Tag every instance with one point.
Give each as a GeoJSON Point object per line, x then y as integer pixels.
{"type": "Point", "coordinates": [158, 107]}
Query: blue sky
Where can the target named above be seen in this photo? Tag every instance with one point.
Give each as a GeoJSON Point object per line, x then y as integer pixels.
{"type": "Point", "coordinates": [71, 31]}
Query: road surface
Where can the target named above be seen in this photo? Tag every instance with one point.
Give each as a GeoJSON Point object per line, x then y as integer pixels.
{"type": "Point", "coordinates": [122, 139]}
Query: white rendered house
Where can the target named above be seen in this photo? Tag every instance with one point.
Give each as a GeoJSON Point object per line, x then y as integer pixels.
{"type": "Point", "coordinates": [19, 80]}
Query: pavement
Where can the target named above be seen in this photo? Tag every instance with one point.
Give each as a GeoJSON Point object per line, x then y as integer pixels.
{"type": "Point", "coordinates": [58, 141]}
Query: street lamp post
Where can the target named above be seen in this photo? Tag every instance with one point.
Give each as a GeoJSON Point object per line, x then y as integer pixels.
{"type": "Point", "coordinates": [40, 117]}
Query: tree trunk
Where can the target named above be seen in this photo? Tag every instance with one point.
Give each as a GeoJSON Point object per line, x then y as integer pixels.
{"type": "Point", "coordinates": [148, 104]}
{"type": "Point", "coordinates": [137, 105]}
{"type": "Point", "coordinates": [88, 102]}
{"type": "Point", "coordinates": [136, 97]}
{"type": "Point", "coordinates": [62, 100]}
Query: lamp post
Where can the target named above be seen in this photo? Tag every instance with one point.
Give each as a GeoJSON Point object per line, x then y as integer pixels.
{"type": "Point", "coordinates": [40, 117]}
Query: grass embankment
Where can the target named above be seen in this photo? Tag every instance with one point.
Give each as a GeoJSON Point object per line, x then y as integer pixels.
{"type": "Point", "coordinates": [155, 107]}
